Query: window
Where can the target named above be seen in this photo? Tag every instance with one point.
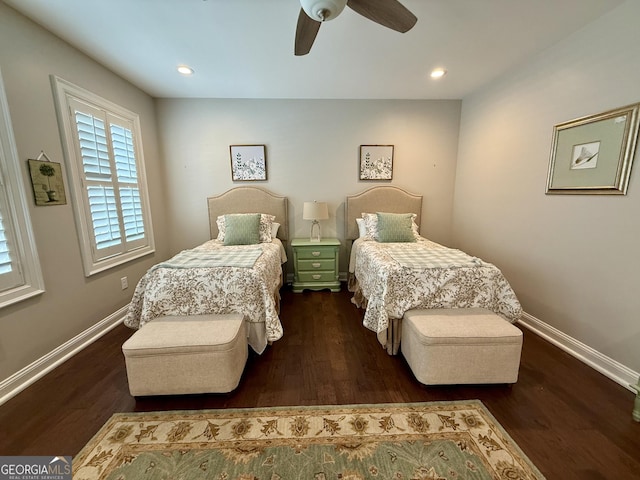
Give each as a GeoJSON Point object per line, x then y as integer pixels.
{"type": "Point", "coordinates": [20, 274]}
{"type": "Point", "coordinates": [104, 151]}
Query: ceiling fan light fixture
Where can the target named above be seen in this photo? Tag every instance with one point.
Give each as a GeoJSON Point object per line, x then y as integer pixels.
{"type": "Point", "coordinates": [323, 10]}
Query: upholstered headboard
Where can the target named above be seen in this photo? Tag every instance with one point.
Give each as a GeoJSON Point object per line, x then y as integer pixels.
{"type": "Point", "coordinates": [380, 199]}
{"type": "Point", "coordinates": [249, 200]}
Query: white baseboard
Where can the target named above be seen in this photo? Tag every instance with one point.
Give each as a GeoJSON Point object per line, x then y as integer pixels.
{"type": "Point", "coordinates": [596, 360]}
{"type": "Point", "coordinates": [20, 380]}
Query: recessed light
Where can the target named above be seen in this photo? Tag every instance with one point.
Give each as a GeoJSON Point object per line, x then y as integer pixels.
{"type": "Point", "coordinates": [185, 70]}
{"type": "Point", "coordinates": [438, 73]}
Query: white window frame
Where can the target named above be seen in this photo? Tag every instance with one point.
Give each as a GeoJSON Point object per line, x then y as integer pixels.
{"type": "Point", "coordinates": [27, 278]}
{"type": "Point", "coordinates": [66, 94]}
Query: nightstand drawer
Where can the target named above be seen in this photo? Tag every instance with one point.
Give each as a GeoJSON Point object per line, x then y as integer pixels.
{"type": "Point", "coordinates": [317, 276]}
{"type": "Point", "coordinates": [316, 252]}
{"type": "Point", "coordinates": [310, 265]}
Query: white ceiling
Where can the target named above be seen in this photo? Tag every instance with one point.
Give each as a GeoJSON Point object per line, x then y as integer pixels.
{"type": "Point", "coordinates": [244, 48]}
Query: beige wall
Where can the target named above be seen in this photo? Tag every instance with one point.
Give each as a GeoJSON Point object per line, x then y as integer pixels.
{"type": "Point", "coordinates": [71, 303]}
{"type": "Point", "coordinates": [312, 154]}
{"type": "Point", "coordinates": [573, 260]}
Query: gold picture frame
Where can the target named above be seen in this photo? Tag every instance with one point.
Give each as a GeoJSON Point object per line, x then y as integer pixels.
{"type": "Point", "coordinates": [594, 154]}
{"type": "Point", "coordinates": [47, 183]}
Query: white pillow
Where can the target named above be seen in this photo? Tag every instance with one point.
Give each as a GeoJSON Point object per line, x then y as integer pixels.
{"type": "Point", "coordinates": [274, 229]}
{"type": "Point", "coordinates": [266, 223]}
{"type": "Point", "coordinates": [362, 229]}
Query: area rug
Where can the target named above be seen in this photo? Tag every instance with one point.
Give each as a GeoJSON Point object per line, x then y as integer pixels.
{"type": "Point", "coordinates": [418, 441]}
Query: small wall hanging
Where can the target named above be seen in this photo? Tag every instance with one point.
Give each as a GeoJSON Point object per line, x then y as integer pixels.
{"type": "Point", "coordinates": [376, 162]}
{"type": "Point", "coordinates": [594, 154]}
{"type": "Point", "coordinates": [47, 181]}
{"type": "Point", "coordinates": [248, 162]}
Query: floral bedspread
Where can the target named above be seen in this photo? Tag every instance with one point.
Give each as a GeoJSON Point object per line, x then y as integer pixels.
{"type": "Point", "coordinates": [389, 289]}
{"type": "Point", "coordinates": [253, 291]}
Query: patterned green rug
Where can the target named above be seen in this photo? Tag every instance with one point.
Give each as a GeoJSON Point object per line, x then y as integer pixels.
{"type": "Point", "coordinates": [419, 441]}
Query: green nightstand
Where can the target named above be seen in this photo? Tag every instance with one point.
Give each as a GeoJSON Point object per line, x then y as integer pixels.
{"type": "Point", "coordinates": [315, 264]}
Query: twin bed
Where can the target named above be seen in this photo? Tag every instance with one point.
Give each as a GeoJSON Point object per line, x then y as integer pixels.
{"type": "Point", "coordinates": [216, 278]}
{"type": "Point", "coordinates": [388, 275]}
{"type": "Point", "coordinates": [388, 278]}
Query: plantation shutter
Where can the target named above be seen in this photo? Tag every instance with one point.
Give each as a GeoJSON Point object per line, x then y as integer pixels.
{"type": "Point", "coordinates": [5, 259]}
{"type": "Point", "coordinates": [10, 272]}
{"type": "Point", "coordinates": [105, 163]}
{"type": "Point", "coordinates": [112, 194]}
{"type": "Point", "coordinates": [127, 175]}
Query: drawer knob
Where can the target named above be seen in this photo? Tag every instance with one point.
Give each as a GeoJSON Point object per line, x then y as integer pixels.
{"type": "Point", "coordinates": [316, 264]}
{"type": "Point", "coordinates": [315, 254]}
{"type": "Point", "coordinates": [316, 277]}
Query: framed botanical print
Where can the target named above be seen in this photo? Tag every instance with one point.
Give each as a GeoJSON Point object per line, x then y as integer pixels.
{"type": "Point", "coordinates": [376, 162]}
{"type": "Point", "coordinates": [248, 162]}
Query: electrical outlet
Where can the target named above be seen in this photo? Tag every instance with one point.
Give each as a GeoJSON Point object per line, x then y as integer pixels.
{"type": "Point", "coordinates": [124, 282]}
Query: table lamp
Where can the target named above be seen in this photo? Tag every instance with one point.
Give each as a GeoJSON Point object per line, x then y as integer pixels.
{"type": "Point", "coordinates": [315, 211]}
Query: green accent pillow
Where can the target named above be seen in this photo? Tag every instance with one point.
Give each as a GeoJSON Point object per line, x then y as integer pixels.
{"type": "Point", "coordinates": [242, 229]}
{"type": "Point", "coordinates": [395, 227]}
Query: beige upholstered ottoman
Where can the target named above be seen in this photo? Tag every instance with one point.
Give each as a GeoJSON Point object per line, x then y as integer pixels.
{"type": "Point", "coordinates": [460, 346]}
{"type": "Point", "coordinates": [187, 354]}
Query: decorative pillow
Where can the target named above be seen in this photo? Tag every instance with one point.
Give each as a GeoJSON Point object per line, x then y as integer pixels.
{"type": "Point", "coordinates": [242, 229]}
{"type": "Point", "coordinates": [414, 227]}
{"type": "Point", "coordinates": [371, 225]}
{"type": "Point", "coordinates": [266, 222]}
{"type": "Point", "coordinates": [221, 227]}
{"type": "Point", "coordinates": [395, 227]}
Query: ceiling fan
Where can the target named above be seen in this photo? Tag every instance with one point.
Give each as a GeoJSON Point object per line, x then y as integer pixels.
{"type": "Point", "coordinates": [389, 13]}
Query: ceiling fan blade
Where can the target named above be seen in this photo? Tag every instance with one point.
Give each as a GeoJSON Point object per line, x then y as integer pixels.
{"type": "Point", "coordinates": [306, 32]}
{"type": "Point", "coordinates": [389, 13]}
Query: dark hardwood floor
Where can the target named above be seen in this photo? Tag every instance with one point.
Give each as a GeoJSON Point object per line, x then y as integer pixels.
{"type": "Point", "coordinates": [570, 420]}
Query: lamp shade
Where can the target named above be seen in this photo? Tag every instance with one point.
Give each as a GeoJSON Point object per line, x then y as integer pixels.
{"type": "Point", "coordinates": [315, 211]}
